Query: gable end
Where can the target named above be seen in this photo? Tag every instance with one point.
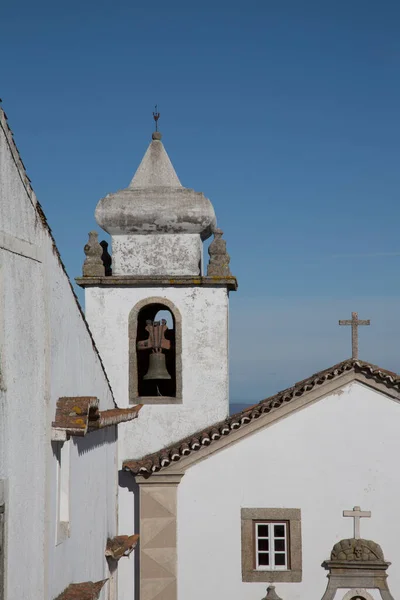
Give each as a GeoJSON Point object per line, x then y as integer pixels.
{"type": "Point", "coordinates": [248, 421]}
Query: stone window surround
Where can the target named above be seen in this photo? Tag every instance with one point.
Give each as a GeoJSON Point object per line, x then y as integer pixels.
{"type": "Point", "coordinates": [293, 517]}
{"type": "Point", "coordinates": [134, 397]}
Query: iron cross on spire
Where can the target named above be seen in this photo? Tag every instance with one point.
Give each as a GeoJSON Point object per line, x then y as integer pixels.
{"type": "Point", "coordinates": [357, 514]}
{"type": "Point", "coordinates": [354, 322]}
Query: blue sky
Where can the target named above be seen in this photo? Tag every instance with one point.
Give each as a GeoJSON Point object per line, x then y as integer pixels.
{"type": "Point", "coordinates": [284, 113]}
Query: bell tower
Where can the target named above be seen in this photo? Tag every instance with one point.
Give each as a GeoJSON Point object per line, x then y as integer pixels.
{"type": "Point", "coordinates": [158, 316]}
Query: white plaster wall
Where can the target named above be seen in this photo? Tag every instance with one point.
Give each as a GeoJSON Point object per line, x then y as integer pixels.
{"type": "Point", "coordinates": [204, 313]}
{"type": "Point", "coordinates": [157, 254]}
{"type": "Point", "coordinates": [337, 453]}
{"type": "Point", "coordinates": [46, 352]}
{"type": "Point", "coordinates": [128, 520]}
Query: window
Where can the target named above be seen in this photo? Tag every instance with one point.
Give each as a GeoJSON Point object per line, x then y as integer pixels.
{"type": "Point", "coordinates": [271, 544]}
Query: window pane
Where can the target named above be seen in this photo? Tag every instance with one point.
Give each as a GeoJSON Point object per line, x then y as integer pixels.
{"type": "Point", "coordinates": [263, 531]}
{"type": "Point", "coordinates": [280, 559]}
{"type": "Point", "coordinates": [280, 545]}
{"type": "Point", "coordinates": [279, 530]}
{"type": "Point", "coordinates": [264, 545]}
{"type": "Point", "coordinates": [263, 559]}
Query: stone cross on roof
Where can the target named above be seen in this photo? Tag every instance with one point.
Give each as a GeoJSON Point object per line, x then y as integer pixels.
{"type": "Point", "coordinates": [357, 514]}
{"type": "Point", "coordinates": [354, 322]}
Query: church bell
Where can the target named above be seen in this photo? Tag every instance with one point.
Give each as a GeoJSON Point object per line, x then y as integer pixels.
{"type": "Point", "coordinates": [157, 368]}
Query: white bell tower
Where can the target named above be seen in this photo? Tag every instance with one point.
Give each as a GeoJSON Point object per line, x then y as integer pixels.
{"type": "Point", "coordinates": [177, 368]}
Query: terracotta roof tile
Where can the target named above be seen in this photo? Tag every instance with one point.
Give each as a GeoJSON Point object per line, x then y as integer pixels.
{"type": "Point", "coordinates": [121, 545]}
{"type": "Point", "coordinates": [163, 458]}
{"type": "Point", "coordinates": [79, 415]}
{"type": "Point", "coordinates": [82, 591]}
{"type": "Point", "coordinates": [74, 413]}
{"type": "Point", "coordinates": [118, 415]}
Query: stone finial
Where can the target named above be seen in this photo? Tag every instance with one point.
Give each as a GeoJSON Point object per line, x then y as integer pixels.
{"type": "Point", "coordinates": [106, 258]}
{"type": "Point", "coordinates": [219, 258]}
{"type": "Point", "coordinates": [93, 265]}
{"type": "Point", "coordinates": [271, 594]}
{"type": "Point", "coordinates": [356, 549]}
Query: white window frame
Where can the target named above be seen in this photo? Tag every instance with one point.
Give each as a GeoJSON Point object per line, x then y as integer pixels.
{"type": "Point", "coordinates": [271, 546]}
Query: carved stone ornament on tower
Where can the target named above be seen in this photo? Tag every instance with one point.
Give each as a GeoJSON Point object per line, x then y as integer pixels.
{"type": "Point", "coordinates": [271, 594]}
{"type": "Point", "coordinates": [219, 258]}
{"type": "Point", "coordinates": [357, 563]}
{"type": "Point", "coordinates": [93, 265]}
{"type": "Point", "coordinates": [106, 258]}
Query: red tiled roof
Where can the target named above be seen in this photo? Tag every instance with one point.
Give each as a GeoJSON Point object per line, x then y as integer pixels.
{"type": "Point", "coordinates": [82, 591]}
{"type": "Point", "coordinates": [163, 458]}
{"type": "Point", "coordinates": [118, 415]}
{"type": "Point", "coordinates": [79, 415]}
{"type": "Point", "coordinates": [121, 545]}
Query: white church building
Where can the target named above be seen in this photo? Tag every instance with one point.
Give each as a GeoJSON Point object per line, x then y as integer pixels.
{"type": "Point", "coordinates": [292, 498]}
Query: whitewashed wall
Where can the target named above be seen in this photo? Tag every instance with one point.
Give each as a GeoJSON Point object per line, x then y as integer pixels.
{"type": "Point", "coordinates": [340, 452]}
{"type": "Point", "coordinates": [46, 352]}
{"type": "Point", "coordinates": [205, 393]}
{"type": "Point", "coordinates": [204, 313]}
{"type": "Point", "coordinates": [157, 254]}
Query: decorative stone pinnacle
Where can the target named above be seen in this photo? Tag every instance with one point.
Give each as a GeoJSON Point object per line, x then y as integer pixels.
{"type": "Point", "coordinates": [93, 265]}
{"type": "Point", "coordinates": [106, 258]}
{"type": "Point", "coordinates": [271, 594]}
{"type": "Point", "coordinates": [156, 135]}
{"type": "Point", "coordinates": [219, 258]}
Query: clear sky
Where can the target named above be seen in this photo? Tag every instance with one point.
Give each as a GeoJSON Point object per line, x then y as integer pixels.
{"type": "Point", "coordinates": [284, 113]}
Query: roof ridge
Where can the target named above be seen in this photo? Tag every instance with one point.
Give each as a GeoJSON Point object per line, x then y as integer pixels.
{"type": "Point", "coordinates": [40, 212]}
{"type": "Point", "coordinates": [161, 459]}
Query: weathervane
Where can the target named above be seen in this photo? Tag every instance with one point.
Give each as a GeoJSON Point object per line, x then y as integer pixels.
{"type": "Point", "coordinates": [156, 116]}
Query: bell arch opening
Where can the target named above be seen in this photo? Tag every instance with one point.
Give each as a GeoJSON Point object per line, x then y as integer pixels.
{"type": "Point", "coordinates": [357, 594]}
{"type": "Point", "coordinates": [155, 352]}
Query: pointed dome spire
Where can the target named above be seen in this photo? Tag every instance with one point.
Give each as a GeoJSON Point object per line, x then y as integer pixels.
{"type": "Point", "coordinates": [155, 201]}
{"type": "Point", "coordinates": [156, 169]}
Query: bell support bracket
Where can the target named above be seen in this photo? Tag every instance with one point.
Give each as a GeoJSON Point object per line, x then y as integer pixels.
{"type": "Point", "coordinates": [156, 341]}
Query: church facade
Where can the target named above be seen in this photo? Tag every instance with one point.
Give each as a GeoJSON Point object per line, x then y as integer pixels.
{"type": "Point", "coordinates": [294, 497]}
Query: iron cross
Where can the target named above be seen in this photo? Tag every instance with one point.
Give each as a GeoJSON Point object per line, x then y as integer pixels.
{"type": "Point", "coordinates": [354, 322]}
{"type": "Point", "coordinates": [357, 514]}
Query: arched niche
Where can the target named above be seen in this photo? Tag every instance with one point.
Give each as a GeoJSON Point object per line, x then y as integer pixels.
{"type": "Point", "coordinates": [167, 392]}
{"type": "Point", "coordinates": [357, 594]}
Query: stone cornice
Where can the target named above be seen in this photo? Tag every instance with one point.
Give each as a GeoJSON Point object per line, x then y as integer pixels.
{"type": "Point", "coordinates": [158, 281]}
